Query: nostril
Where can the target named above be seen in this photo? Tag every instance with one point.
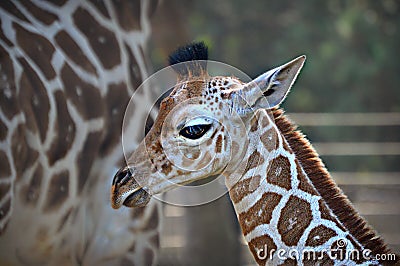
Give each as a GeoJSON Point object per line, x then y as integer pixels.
{"type": "Point", "coordinates": [122, 176]}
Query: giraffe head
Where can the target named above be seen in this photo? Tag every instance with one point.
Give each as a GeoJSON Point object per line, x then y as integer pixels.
{"type": "Point", "coordinates": [201, 129]}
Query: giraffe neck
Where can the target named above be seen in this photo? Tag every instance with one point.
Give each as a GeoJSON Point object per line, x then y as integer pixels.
{"type": "Point", "coordinates": [67, 70]}
{"type": "Point", "coordinates": [287, 203]}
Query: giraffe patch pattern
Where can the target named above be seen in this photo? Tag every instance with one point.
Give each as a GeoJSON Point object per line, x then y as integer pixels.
{"type": "Point", "coordinates": [64, 88]}
{"type": "Point", "coordinates": [279, 172]}
{"type": "Point", "coordinates": [296, 216]}
{"type": "Point", "coordinates": [263, 209]}
{"type": "Point", "coordinates": [319, 235]}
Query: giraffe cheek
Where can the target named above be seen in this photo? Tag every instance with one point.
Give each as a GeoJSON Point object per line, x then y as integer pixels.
{"type": "Point", "coordinates": [192, 155]}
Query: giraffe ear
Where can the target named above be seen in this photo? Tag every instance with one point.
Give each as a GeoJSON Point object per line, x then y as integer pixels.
{"type": "Point", "coordinates": [270, 89]}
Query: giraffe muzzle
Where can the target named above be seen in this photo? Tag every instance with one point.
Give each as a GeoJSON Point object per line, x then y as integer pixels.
{"type": "Point", "coordinates": [126, 191]}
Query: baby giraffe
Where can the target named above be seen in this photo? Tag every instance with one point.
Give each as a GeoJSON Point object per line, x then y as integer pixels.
{"type": "Point", "coordinates": [290, 210]}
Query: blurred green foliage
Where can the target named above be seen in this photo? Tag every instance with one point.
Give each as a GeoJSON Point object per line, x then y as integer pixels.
{"type": "Point", "coordinates": [352, 47]}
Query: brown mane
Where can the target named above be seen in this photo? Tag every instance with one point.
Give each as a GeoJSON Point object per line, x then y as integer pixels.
{"type": "Point", "coordinates": [327, 188]}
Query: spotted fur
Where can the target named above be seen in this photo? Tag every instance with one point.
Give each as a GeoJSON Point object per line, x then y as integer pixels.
{"type": "Point", "coordinates": [67, 71]}
{"type": "Point", "coordinates": [283, 196]}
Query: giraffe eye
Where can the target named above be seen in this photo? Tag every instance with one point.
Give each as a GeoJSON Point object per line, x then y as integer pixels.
{"type": "Point", "coordinates": [195, 131]}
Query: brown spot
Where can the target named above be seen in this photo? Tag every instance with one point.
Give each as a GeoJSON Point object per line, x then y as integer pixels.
{"type": "Point", "coordinates": [31, 192]}
{"type": "Point", "coordinates": [86, 157]}
{"type": "Point", "coordinates": [18, 148]}
{"type": "Point", "coordinates": [270, 139]}
{"type": "Point", "coordinates": [148, 256]}
{"type": "Point", "coordinates": [289, 262]}
{"type": "Point", "coordinates": [23, 155]}
{"type": "Point", "coordinates": [195, 88]}
{"type": "Point", "coordinates": [38, 48]}
{"type": "Point", "coordinates": [278, 172]}
{"type": "Point", "coordinates": [40, 14]}
{"type": "Point", "coordinates": [8, 98]}
{"type": "Point", "coordinates": [30, 157]}
{"type": "Point", "coordinates": [265, 121]}
{"type": "Point", "coordinates": [244, 187]}
{"type": "Point", "coordinates": [13, 10]}
{"type": "Point", "coordinates": [116, 100]}
{"type": "Point", "coordinates": [34, 100]}
{"type": "Point", "coordinates": [131, 249]}
{"type": "Point", "coordinates": [57, 2]}
{"type": "Point", "coordinates": [304, 183]}
{"type": "Point", "coordinates": [4, 189]}
{"type": "Point", "coordinates": [57, 192]}
{"type": "Point", "coordinates": [218, 144]}
{"type": "Point", "coordinates": [3, 131]}
{"type": "Point", "coordinates": [254, 123]}
{"type": "Point", "coordinates": [254, 160]}
{"type": "Point", "coordinates": [5, 168]}
{"type": "Point", "coordinates": [260, 213]}
{"type": "Point", "coordinates": [264, 243]}
{"type": "Point", "coordinates": [128, 14]}
{"type": "Point", "coordinates": [64, 130]}
{"type": "Point", "coordinates": [327, 188]}
{"type": "Point", "coordinates": [84, 96]}
{"type": "Point", "coordinates": [135, 77]}
{"type": "Point", "coordinates": [156, 147]}
{"type": "Point", "coordinates": [100, 6]}
{"type": "Point", "coordinates": [295, 218]}
{"type": "Point", "coordinates": [319, 235]}
{"type": "Point", "coordinates": [74, 52]}
{"type": "Point", "coordinates": [102, 40]}
{"type": "Point", "coordinates": [195, 153]}
{"type": "Point", "coordinates": [166, 168]}
{"type": "Point", "coordinates": [4, 210]}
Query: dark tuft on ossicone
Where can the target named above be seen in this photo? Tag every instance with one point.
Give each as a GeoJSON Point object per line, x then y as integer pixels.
{"type": "Point", "coordinates": [190, 52]}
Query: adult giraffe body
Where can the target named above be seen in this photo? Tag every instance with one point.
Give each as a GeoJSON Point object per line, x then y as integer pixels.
{"type": "Point", "coordinates": [67, 70]}
{"type": "Point", "coordinates": [290, 210]}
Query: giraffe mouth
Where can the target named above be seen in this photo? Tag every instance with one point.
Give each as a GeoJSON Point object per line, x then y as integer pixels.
{"type": "Point", "coordinates": [137, 198]}
{"type": "Point", "coordinates": [126, 191]}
